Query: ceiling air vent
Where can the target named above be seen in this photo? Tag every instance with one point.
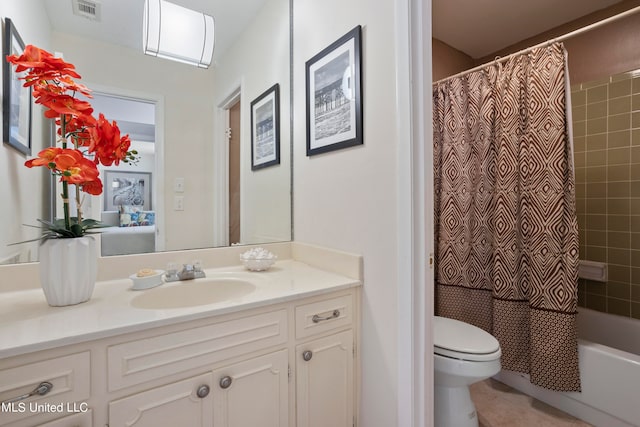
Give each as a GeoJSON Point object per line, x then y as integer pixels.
{"type": "Point", "coordinates": [89, 9]}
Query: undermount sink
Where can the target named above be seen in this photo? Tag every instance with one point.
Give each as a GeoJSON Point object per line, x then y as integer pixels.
{"type": "Point", "coordinates": [193, 293]}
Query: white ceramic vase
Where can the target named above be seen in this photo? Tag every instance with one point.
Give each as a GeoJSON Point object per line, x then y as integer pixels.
{"type": "Point", "coordinates": [68, 270]}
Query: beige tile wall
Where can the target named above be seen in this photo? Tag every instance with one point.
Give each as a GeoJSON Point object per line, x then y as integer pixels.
{"type": "Point", "coordinates": [606, 129]}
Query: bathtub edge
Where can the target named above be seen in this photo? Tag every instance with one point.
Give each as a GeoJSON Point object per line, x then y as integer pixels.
{"type": "Point", "coordinates": [561, 401]}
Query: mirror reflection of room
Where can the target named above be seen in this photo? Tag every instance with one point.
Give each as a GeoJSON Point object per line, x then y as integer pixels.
{"type": "Point", "coordinates": [127, 203]}
{"type": "Point", "coordinates": [184, 197]}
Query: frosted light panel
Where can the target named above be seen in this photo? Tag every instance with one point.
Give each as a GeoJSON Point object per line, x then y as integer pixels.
{"type": "Point", "coordinates": [177, 33]}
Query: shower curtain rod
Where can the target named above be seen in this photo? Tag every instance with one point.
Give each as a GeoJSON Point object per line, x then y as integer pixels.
{"type": "Point", "coordinates": [548, 42]}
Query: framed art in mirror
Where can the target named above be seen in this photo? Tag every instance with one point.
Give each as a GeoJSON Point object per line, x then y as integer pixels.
{"type": "Point", "coordinates": [265, 129]}
{"type": "Point", "coordinates": [334, 95]}
{"type": "Point", "coordinates": [127, 189]}
{"type": "Point", "coordinates": [16, 108]}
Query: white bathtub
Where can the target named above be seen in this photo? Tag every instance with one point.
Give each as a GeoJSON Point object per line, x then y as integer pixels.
{"type": "Point", "coordinates": [609, 348]}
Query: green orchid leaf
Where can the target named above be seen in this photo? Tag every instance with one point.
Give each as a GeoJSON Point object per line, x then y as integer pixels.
{"type": "Point", "coordinates": [77, 230]}
{"type": "Point", "coordinates": [92, 223]}
{"type": "Point", "coordinates": [43, 237]}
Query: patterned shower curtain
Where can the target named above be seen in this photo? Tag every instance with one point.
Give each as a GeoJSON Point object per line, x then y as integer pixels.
{"type": "Point", "coordinates": [506, 228]}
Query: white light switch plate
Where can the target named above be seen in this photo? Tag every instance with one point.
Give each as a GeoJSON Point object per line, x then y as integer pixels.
{"type": "Point", "coordinates": [178, 203]}
{"type": "Point", "coordinates": [178, 185]}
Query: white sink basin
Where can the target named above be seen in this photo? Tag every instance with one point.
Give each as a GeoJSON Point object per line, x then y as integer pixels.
{"type": "Point", "coordinates": [192, 293]}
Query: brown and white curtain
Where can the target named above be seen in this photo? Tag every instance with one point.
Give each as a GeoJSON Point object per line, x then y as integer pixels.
{"type": "Point", "coordinates": [506, 228]}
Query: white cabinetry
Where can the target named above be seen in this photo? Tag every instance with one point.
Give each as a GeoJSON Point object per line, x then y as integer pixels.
{"type": "Point", "coordinates": [82, 419]}
{"type": "Point", "coordinates": [146, 359]}
{"type": "Point", "coordinates": [253, 392]}
{"type": "Point", "coordinates": [325, 394]}
{"type": "Point", "coordinates": [183, 403]}
{"type": "Point", "coordinates": [33, 393]}
{"type": "Point", "coordinates": [248, 393]}
{"type": "Point", "coordinates": [288, 364]}
{"type": "Point", "coordinates": [324, 384]}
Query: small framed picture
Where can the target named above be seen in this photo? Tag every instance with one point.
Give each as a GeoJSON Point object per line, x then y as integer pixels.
{"type": "Point", "coordinates": [334, 95]}
{"type": "Point", "coordinates": [16, 108]}
{"type": "Point", "coordinates": [265, 129]}
{"type": "Point", "coordinates": [127, 189]}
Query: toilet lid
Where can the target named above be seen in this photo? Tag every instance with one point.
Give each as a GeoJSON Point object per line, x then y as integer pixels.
{"type": "Point", "coordinates": [461, 340]}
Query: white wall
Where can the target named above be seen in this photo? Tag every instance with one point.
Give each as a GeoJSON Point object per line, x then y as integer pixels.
{"type": "Point", "coordinates": [18, 184]}
{"type": "Point", "coordinates": [265, 197]}
{"type": "Point", "coordinates": [348, 199]}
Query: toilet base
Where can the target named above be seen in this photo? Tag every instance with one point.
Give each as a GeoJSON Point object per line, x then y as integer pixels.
{"type": "Point", "coordinates": [453, 407]}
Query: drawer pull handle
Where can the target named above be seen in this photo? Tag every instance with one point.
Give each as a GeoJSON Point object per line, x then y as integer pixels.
{"type": "Point", "coordinates": [225, 382]}
{"type": "Point", "coordinates": [318, 319]}
{"type": "Point", "coordinates": [42, 389]}
{"type": "Point", "coordinates": [203, 391]}
{"type": "Point", "coordinates": [307, 355]}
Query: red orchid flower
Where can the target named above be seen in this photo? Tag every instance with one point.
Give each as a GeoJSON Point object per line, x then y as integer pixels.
{"type": "Point", "coordinates": [64, 104]}
{"type": "Point", "coordinates": [75, 168]}
{"type": "Point", "coordinates": [53, 86]}
{"type": "Point", "coordinates": [45, 157]}
{"type": "Point", "coordinates": [93, 187]}
{"type": "Point", "coordinates": [107, 144]}
{"type": "Point", "coordinates": [77, 128]}
{"type": "Point", "coordinates": [40, 61]}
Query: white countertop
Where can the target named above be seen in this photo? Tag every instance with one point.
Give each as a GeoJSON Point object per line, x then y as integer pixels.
{"type": "Point", "coordinates": [28, 324]}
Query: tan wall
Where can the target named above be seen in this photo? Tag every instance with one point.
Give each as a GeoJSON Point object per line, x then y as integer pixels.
{"type": "Point", "coordinates": [447, 60]}
{"type": "Point", "coordinates": [608, 50]}
{"type": "Point", "coordinates": [595, 54]}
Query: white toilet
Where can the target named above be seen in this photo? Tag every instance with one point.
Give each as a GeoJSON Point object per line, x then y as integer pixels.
{"type": "Point", "coordinates": [463, 354]}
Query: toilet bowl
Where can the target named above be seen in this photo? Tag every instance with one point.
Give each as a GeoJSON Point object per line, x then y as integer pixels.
{"type": "Point", "coordinates": [463, 354]}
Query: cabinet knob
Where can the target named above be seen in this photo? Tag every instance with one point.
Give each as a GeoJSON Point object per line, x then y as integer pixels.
{"type": "Point", "coordinates": [203, 391]}
{"type": "Point", "coordinates": [225, 382]}
{"type": "Point", "coordinates": [307, 355]}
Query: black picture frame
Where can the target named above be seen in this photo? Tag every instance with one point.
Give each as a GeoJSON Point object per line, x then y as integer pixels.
{"type": "Point", "coordinates": [124, 188]}
{"type": "Point", "coordinates": [16, 101]}
{"type": "Point", "coordinates": [265, 129]}
{"type": "Point", "coordinates": [334, 95]}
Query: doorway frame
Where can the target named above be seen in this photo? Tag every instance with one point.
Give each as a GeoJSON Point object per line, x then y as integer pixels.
{"type": "Point", "coordinates": [221, 162]}
{"type": "Point", "coordinates": [415, 213]}
{"type": "Point", "coordinates": [158, 188]}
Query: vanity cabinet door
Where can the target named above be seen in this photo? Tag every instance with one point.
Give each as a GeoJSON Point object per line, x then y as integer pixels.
{"type": "Point", "coordinates": [183, 403]}
{"type": "Point", "coordinates": [253, 392]}
{"type": "Point", "coordinates": [324, 382]}
{"type": "Point", "coordinates": [64, 383]}
{"type": "Point", "coordinates": [77, 420]}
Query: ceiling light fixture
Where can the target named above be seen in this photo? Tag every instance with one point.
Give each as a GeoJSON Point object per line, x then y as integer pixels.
{"type": "Point", "coordinates": [177, 33]}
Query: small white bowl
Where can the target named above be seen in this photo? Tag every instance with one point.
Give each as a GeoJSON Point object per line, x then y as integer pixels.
{"type": "Point", "coordinates": [146, 282]}
{"type": "Point", "coordinates": [258, 259]}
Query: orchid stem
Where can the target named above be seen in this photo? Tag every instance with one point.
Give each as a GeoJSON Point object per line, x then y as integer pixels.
{"type": "Point", "coordinates": [65, 205]}
{"type": "Point", "coordinates": [78, 204]}
{"type": "Point", "coordinates": [65, 185]}
{"type": "Point", "coordinates": [78, 201]}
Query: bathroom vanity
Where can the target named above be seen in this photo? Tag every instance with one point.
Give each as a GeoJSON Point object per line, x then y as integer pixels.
{"type": "Point", "coordinates": [283, 353]}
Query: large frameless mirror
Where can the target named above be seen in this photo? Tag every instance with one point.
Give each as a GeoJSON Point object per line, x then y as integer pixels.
{"type": "Point", "coordinates": [194, 186]}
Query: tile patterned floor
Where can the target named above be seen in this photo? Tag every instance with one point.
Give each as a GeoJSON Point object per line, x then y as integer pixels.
{"type": "Point", "coordinates": [499, 405]}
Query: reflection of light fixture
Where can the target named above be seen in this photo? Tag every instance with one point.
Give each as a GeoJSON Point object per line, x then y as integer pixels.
{"type": "Point", "coordinates": [175, 32]}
